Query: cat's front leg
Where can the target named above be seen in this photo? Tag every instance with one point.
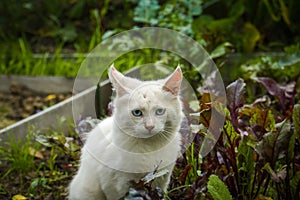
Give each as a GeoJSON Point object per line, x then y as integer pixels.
{"type": "Point", "coordinates": [85, 187]}
{"type": "Point", "coordinates": [163, 181]}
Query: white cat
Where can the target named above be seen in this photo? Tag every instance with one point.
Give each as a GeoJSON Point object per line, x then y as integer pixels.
{"type": "Point", "coordinates": [142, 133]}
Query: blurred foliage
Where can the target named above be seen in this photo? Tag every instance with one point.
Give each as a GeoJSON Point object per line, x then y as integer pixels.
{"type": "Point", "coordinates": [59, 21]}
{"type": "Point", "coordinates": [77, 26]}
{"type": "Point", "coordinates": [173, 14]}
{"type": "Point", "coordinates": [248, 25]}
{"type": "Point", "coordinates": [17, 58]}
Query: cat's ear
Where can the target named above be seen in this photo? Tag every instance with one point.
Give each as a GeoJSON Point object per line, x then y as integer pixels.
{"type": "Point", "coordinates": [173, 82]}
{"type": "Point", "coordinates": [122, 84]}
{"type": "Point", "coordinates": [116, 78]}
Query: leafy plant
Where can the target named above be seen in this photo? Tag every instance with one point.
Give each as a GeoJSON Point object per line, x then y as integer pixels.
{"type": "Point", "coordinates": [19, 155]}
{"type": "Point", "coordinates": [264, 147]}
{"type": "Point", "coordinates": [177, 15]}
{"type": "Point", "coordinates": [21, 60]}
{"type": "Point", "coordinates": [257, 154]}
{"type": "Point", "coordinates": [38, 170]}
{"type": "Point", "coordinates": [218, 189]}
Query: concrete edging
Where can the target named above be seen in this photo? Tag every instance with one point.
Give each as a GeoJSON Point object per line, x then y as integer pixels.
{"type": "Point", "coordinates": [57, 117]}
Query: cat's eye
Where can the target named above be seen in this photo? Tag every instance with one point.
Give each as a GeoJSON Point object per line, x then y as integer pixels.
{"type": "Point", "coordinates": [137, 113]}
{"type": "Point", "coordinates": [160, 111]}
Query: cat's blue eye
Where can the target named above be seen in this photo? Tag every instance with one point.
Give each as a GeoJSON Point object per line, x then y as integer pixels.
{"type": "Point", "coordinates": [160, 111]}
{"type": "Point", "coordinates": [137, 113]}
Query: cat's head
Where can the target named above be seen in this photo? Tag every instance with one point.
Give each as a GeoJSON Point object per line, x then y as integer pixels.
{"type": "Point", "coordinates": [143, 109]}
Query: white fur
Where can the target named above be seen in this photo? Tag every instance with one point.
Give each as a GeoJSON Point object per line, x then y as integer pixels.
{"type": "Point", "coordinates": [121, 148]}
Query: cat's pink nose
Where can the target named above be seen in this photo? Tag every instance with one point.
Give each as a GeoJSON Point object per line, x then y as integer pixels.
{"type": "Point", "coordinates": [150, 127]}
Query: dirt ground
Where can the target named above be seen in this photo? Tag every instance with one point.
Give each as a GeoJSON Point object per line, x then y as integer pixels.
{"type": "Point", "coordinates": [21, 102]}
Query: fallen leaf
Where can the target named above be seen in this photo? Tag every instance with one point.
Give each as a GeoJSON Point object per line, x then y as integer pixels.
{"type": "Point", "coordinates": [35, 153]}
{"type": "Point", "coordinates": [262, 197]}
{"type": "Point", "coordinates": [19, 197]}
{"type": "Point", "coordinates": [50, 97]}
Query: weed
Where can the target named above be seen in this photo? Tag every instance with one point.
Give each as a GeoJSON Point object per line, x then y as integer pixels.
{"type": "Point", "coordinates": [38, 169]}
{"type": "Point", "coordinates": [19, 156]}
{"type": "Point", "coordinates": [18, 58]}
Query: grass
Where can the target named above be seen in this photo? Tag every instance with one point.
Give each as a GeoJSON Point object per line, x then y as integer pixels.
{"type": "Point", "coordinates": [19, 156]}
{"type": "Point", "coordinates": [18, 58]}
{"type": "Point", "coordinates": [38, 170]}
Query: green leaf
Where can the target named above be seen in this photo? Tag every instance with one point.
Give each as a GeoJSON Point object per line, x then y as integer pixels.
{"type": "Point", "coordinates": [283, 139]}
{"type": "Point", "coordinates": [274, 144]}
{"type": "Point", "coordinates": [68, 33]}
{"type": "Point", "coordinates": [250, 37]}
{"type": "Point", "coordinates": [233, 135]}
{"type": "Point", "coordinates": [221, 50]}
{"type": "Point", "coordinates": [77, 10]}
{"type": "Point", "coordinates": [246, 167]}
{"type": "Point", "coordinates": [218, 189]}
{"type": "Point", "coordinates": [194, 105]}
{"type": "Point", "coordinates": [296, 119]}
{"type": "Point", "coordinates": [34, 183]}
{"type": "Point", "coordinates": [195, 7]}
{"type": "Point", "coordinates": [265, 147]}
{"type": "Point", "coordinates": [295, 182]}
{"type": "Point", "coordinates": [285, 12]}
{"type": "Point", "coordinates": [276, 176]}
{"type": "Point", "coordinates": [146, 12]}
{"type": "Point", "coordinates": [237, 9]}
{"type": "Point", "coordinates": [264, 118]}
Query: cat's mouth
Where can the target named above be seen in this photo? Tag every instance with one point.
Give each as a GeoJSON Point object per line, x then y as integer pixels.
{"type": "Point", "coordinates": [162, 133]}
{"type": "Point", "coordinates": [147, 134]}
{"type": "Point", "coordinates": [144, 134]}
{"type": "Point", "coordinates": [151, 133]}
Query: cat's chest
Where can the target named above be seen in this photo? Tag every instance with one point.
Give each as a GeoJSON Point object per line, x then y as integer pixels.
{"type": "Point", "coordinates": [127, 156]}
{"type": "Point", "coordinates": [118, 179]}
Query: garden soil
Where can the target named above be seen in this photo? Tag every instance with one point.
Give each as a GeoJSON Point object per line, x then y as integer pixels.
{"type": "Point", "coordinates": [21, 102]}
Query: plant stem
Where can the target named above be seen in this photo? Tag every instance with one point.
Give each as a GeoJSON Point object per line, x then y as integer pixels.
{"type": "Point", "coordinates": [253, 183]}
{"type": "Point", "coordinates": [233, 162]}
{"type": "Point", "coordinates": [260, 183]}
{"type": "Point", "coordinates": [287, 180]}
{"type": "Point", "coordinates": [267, 184]}
{"type": "Point", "coordinates": [277, 190]}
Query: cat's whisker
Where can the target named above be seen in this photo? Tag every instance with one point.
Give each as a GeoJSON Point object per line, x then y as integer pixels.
{"type": "Point", "coordinates": [166, 134]}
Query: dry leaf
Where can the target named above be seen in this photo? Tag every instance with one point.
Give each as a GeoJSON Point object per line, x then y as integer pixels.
{"type": "Point", "coordinates": [35, 153]}
{"type": "Point", "coordinates": [19, 197]}
{"type": "Point", "coordinates": [50, 97]}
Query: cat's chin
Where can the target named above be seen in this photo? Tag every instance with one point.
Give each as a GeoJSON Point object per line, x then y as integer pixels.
{"type": "Point", "coordinates": [145, 135]}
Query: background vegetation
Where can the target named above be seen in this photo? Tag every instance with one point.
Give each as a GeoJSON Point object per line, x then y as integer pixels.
{"type": "Point", "coordinates": [52, 37]}
{"type": "Point", "coordinates": [256, 46]}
